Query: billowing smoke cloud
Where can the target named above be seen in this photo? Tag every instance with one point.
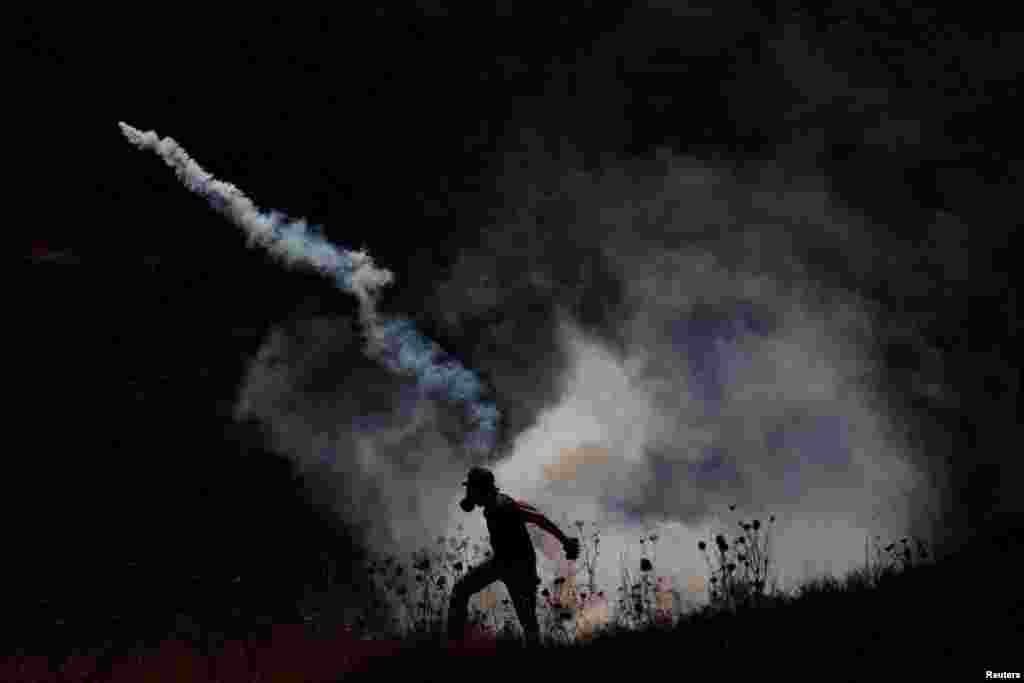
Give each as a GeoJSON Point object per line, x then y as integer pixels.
{"type": "Point", "coordinates": [394, 341]}
{"type": "Point", "coordinates": [743, 365]}
{"type": "Point", "coordinates": [665, 339]}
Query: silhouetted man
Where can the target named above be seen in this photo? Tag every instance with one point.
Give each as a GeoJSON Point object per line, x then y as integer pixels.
{"type": "Point", "coordinates": [513, 561]}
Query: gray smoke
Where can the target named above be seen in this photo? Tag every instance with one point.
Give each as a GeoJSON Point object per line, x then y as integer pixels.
{"type": "Point", "coordinates": [666, 339]}
{"type": "Point", "coordinates": [742, 364]}
{"type": "Point", "coordinates": [393, 341]}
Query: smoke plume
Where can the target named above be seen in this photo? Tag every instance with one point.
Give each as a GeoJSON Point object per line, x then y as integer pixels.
{"type": "Point", "coordinates": [394, 341]}
{"type": "Point", "coordinates": [667, 339]}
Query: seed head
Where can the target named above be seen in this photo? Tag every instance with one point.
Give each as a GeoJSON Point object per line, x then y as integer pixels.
{"type": "Point", "coordinates": [757, 524]}
{"type": "Point", "coordinates": [645, 565]}
{"type": "Point", "coordinates": [701, 545]}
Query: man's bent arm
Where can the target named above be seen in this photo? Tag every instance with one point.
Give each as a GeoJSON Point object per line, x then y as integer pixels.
{"type": "Point", "coordinates": [533, 516]}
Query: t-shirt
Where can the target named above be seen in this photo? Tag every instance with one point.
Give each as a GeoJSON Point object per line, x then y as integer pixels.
{"type": "Point", "coordinates": [510, 541]}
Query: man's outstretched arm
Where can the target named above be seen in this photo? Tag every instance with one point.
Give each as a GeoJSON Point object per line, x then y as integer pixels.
{"type": "Point", "coordinates": [534, 516]}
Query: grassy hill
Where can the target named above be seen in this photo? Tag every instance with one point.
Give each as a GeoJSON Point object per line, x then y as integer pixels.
{"type": "Point", "coordinates": [956, 617]}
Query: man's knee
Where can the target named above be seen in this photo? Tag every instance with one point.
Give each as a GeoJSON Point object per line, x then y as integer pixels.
{"type": "Point", "coordinates": [460, 594]}
{"type": "Point", "coordinates": [526, 609]}
{"type": "Point", "coordinates": [528, 619]}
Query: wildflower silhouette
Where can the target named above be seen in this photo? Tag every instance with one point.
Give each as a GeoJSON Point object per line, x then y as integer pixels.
{"type": "Point", "coordinates": [513, 562]}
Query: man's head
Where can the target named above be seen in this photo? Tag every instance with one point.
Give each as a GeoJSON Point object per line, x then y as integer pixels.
{"type": "Point", "coordinates": [480, 489]}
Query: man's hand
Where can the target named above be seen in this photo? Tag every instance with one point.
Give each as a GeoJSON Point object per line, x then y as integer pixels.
{"type": "Point", "coordinates": [572, 548]}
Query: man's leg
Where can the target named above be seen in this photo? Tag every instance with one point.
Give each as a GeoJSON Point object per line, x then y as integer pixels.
{"type": "Point", "coordinates": [474, 581]}
{"type": "Point", "coordinates": [523, 591]}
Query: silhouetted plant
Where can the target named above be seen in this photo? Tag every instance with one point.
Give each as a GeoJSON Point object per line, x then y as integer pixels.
{"type": "Point", "coordinates": [740, 567]}
{"type": "Point", "coordinates": [740, 572]}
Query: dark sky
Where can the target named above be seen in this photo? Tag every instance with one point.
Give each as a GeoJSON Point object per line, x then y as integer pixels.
{"type": "Point", "coordinates": [410, 132]}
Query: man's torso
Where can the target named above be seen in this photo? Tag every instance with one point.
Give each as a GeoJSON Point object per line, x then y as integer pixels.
{"type": "Point", "coordinates": [510, 540]}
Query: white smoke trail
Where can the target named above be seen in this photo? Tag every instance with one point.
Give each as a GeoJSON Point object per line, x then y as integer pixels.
{"type": "Point", "coordinates": [394, 341]}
